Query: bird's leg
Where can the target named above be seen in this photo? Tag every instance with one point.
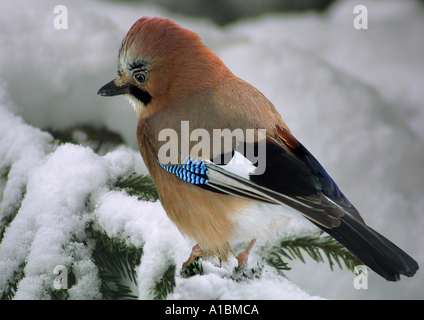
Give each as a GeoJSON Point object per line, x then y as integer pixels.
{"type": "Point", "coordinates": [195, 252]}
{"type": "Point", "coordinates": [244, 256]}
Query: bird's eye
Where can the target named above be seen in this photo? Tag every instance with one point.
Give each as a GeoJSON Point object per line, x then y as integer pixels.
{"type": "Point", "coordinates": [140, 77]}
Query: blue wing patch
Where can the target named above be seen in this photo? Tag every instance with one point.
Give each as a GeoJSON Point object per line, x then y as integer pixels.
{"type": "Point", "coordinates": [194, 171]}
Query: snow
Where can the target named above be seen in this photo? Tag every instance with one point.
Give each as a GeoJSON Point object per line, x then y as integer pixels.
{"type": "Point", "coordinates": [217, 284]}
{"type": "Point", "coordinates": [353, 97]}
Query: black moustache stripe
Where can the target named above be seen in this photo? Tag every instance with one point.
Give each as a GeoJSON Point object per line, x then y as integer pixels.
{"type": "Point", "coordinates": [141, 95]}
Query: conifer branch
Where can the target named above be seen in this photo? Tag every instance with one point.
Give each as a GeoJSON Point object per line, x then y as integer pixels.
{"type": "Point", "coordinates": [165, 285]}
{"type": "Point", "coordinates": [138, 185]}
{"type": "Point", "coordinates": [195, 268]}
{"type": "Point", "coordinates": [312, 245]}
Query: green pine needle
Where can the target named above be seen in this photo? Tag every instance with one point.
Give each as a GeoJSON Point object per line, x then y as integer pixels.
{"type": "Point", "coordinates": [195, 268]}
{"type": "Point", "coordinates": [115, 257]}
{"type": "Point", "coordinates": [312, 245]}
{"type": "Point", "coordinates": [138, 185]}
{"type": "Point", "coordinates": [166, 284]}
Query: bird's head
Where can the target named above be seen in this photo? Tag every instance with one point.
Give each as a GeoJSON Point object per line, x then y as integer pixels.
{"type": "Point", "coordinates": [160, 63]}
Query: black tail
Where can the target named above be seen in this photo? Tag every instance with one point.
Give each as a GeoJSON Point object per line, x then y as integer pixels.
{"type": "Point", "coordinates": [373, 250]}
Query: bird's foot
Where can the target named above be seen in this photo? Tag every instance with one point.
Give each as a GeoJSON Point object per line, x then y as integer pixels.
{"type": "Point", "coordinates": [196, 252]}
{"type": "Point", "coordinates": [244, 256]}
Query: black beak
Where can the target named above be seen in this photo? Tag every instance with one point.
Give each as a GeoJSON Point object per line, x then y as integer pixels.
{"type": "Point", "coordinates": [111, 89]}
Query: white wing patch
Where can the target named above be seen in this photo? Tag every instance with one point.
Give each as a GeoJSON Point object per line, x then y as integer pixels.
{"type": "Point", "coordinates": [240, 165]}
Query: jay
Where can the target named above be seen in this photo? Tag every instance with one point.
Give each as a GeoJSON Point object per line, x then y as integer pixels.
{"type": "Point", "coordinates": [220, 194]}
